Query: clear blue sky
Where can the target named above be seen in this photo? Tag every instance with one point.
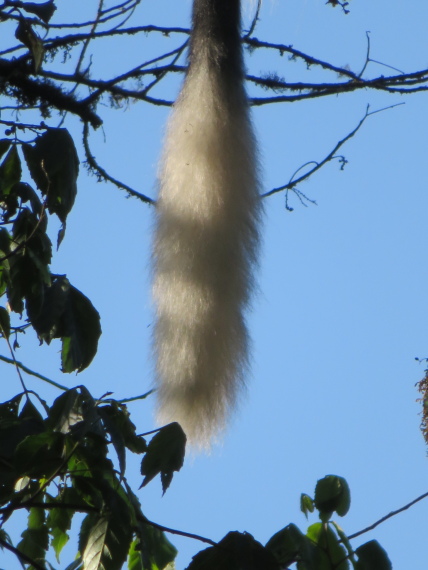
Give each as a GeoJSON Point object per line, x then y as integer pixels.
{"type": "Point", "coordinates": [343, 307]}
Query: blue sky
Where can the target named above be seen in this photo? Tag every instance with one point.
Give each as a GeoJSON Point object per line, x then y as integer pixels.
{"type": "Point", "coordinates": [342, 306]}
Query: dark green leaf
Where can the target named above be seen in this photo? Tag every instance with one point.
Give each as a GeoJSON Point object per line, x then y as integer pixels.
{"type": "Point", "coordinates": [54, 166]}
{"type": "Point", "coordinates": [35, 540]}
{"type": "Point", "coordinates": [165, 454]}
{"type": "Point", "coordinates": [29, 271]}
{"type": "Point", "coordinates": [27, 194]}
{"type": "Point", "coordinates": [106, 542]}
{"type": "Point", "coordinates": [122, 431]}
{"type": "Point", "coordinates": [332, 494]}
{"type": "Point", "coordinates": [67, 314]}
{"type": "Point", "coordinates": [152, 550]}
{"type": "Point", "coordinates": [331, 555]}
{"type": "Point", "coordinates": [44, 11]}
{"type": "Point", "coordinates": [233, 552]}
{"type": "Point", "coordinates": [371, 556]}
{"type": "Point", "coordinates": [81, 331]}
{"type": "Point", "coordinates": [4, 146]}
{"type": "Point", "coordinates": [10, 172]}
{"type": "Point", "coordinates": [4, 323]}
{"type": "Point", "coordinates": [289, 545]}
{"type": "Point", "coordinates": [39, 455]}
{"type": "Point", "coordinates": [65, 411]}
{"type": "Point", "coordinates": [4, 241]}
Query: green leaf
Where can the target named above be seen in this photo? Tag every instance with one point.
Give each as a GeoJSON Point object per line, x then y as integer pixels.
{"type": "Point", "coordinates": [59, 522]}
{"type": "Point", "coordinates": [106, 542]}
{"type": "Point", "coordinates": [4, 323]}
{"type": "Point", "coordinates": [331, 553]}
{"type": "Point", "coordinates": [122, 431]}
{"type": "Point", "coordinates": [306, 504]}
{"type": "Point", "coordinates": [152, 550]}
{"type": "Point", "coordinates": [35, 540]}
{"type": "Point", "coordinates": [67, 314]}
{"type": "Point", "coordinates": [54, 166]}
{"type": "Point", "coordinates": [44, 11]}
{"type": "Point", "coordinates": [332, 494]}
{"type": "Point", "coordinates": [5, 538]}
{"type": "Point", "coordinates": [27, 194]}
{"type": "Point", "coordinates": [4, 146]}
{"type": "Point", "coordinates": [66, 411]}
{"type": "Point", "coordinates": [10, 172]}
{"type": "Point", "coordinates": [371, 556]}
{"type": "Point", "coordinates": [29, 271]}
{"type": "Point", "coordinates": [165, 454]}
{"type": "Point", "coordinates": [233, 552]}
{"type": "Point", "coordinates": [345, 541]}
{"type": "Point", "coordinates": [289, 545]}
{"type": "Point", "coordinates": [39, 455]}
{"type": "Point", "coordinates": [82, 330]}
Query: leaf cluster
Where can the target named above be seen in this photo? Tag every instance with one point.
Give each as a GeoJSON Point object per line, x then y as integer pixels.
{"type": "Point", "coordinates": [54, 308]}
{"type": "Point", "coordinates": [59, 463]}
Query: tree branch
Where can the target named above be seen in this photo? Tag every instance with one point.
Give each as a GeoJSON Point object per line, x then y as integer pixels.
{"type": "Point", "coordinates": [386, 517]}
{"type": "Point", "coordinates": [331, 155]}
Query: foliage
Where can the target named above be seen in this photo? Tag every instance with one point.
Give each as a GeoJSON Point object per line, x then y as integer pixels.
{"type": "Point", "coordinates": [69, 457]}
{"type": "Point", "coordinates": [57, 464]}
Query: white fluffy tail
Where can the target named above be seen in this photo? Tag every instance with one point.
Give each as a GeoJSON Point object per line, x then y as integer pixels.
{"type": "Point", "coordinates": [206, 246]}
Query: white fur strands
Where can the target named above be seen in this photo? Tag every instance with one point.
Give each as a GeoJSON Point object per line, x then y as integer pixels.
{"type": "Point", "coordinates": [207, 236]}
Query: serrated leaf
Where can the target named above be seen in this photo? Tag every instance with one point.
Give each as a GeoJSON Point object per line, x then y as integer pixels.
{"type": "Point", "coordinates": [59, 522]}
{"type": "Point", "coordinates": [35, 539]}
{"type": "Point", "coordinates": [165, 454]}
{"type": "Point", "coordinates": [234, 551]}
{"type": "Point", "coordinates": [107, 542]}
{"type": "Point", "coordinates": [4, 322]}
{"type": "Point", "coordinates": [44, 11]}
{"type": "Point", "coordinates": [371, 556]}
{"type": "Point", "coordinates": [54, 166]}
{"type": "Point", "coordinates": [332, 494]}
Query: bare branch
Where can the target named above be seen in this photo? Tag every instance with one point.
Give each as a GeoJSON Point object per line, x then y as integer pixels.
{"type": "Point", "coordinates": [103, 174]}
{"type": "Point", "coordinates": [386, 517]}
{"type": "Point", "coordinates": [331, 156]}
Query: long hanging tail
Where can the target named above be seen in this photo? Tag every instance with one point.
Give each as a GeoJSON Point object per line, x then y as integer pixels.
{"type": "Point", "coordinates": [207, 232]}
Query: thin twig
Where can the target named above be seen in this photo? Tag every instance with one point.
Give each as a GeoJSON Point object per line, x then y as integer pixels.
{"type": "Point", "coordinates": [103, 174]}
{"type": "Point", "coordinates": [386, 517]}
{"type": "Point", "coordinates": [32, 372]}
{"type": "Point", "coordinates": [331, 155]}
{"type": "Point", "coordinates": [22, 557]}
{"type": "Point", "coordinates": [179, 532]}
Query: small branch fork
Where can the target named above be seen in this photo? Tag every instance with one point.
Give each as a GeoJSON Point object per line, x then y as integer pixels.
{"type": "Point", "coordinates": [332, 155]}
